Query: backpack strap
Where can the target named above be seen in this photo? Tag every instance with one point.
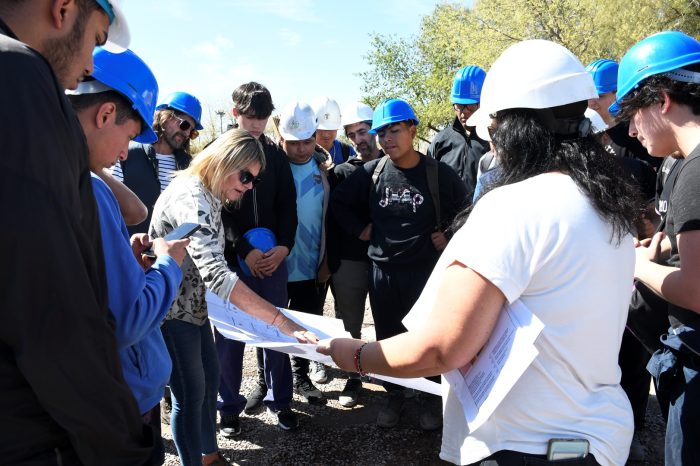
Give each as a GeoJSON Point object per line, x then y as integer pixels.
{"type": "Point", "coordinates": [431, 170]}
{"type": "Point", "coordinates": [344, 151]}
{"type": "Point", "coordinates": [378, 170]}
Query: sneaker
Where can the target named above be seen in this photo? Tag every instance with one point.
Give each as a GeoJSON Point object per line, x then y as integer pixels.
{"type": "Point", "coordinates": [230, 425]}
{"type": "Point", "coordinates": [348, 397]}
{"type": "Point", "coordinates": [286, 418]}
{"type": "Point", "coordinates": [255, 399]}
{"type": "Point", "coordinates": [166, 409]}
{"type": "Point", "coordinates": [317, 372]}
{"type": "Point", "coordinates": [430, 412]}
{"type": "Point", "coordinates": [307, 390]}
{"type": "Point", "coordinates": [390, 414]}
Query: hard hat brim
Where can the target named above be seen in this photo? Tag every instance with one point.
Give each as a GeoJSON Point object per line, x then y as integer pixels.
{"type": "Point", "coordinates": [119, 36]}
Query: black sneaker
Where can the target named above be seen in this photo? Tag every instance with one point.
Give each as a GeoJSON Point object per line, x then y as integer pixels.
{"type": "Point", "coordinates": [390, 414]}
{"type": "Point", "coordinates": [230, 426]}
{"type": "Point", "coordinates": [286, 418]}
{"type": "Point", "coordinates": [307, 390]}
{"type": "Point", "coordinates": [429, 412]}
{"type": "Point", "coordinates": [255, 399]}
{"type": "Point", "coordinates": [348, 397]}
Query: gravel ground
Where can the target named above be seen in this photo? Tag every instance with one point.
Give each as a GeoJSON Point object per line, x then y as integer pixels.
{"type": "Point", "coordinates": [331, 435]}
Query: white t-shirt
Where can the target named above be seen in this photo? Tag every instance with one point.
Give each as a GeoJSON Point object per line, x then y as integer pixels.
{"type": "Point", "coordinates": [542, 242]}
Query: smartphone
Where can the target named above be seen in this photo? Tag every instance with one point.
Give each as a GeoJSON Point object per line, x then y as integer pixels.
{"type": "Point", "coordinates": [183, 231]}
{"type": "Point", "coordinates": [567, 448]}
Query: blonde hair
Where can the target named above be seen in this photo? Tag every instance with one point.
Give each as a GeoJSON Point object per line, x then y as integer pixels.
{"type": "Point", "coordinates": [235, 150]}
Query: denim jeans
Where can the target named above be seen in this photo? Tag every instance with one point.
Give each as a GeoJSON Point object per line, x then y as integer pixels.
{"type": "Point", "coordinates": [675, 369]}
{"type": "Point", "coordinates": [193, 383]}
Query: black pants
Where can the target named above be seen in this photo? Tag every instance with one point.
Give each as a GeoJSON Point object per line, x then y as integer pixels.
{"type": "Point", "coordinates": [393, 290]}
{"type": "Point", "coordinates": [515, 458]}
{"type": "Point", "coordinates": [305, 296]}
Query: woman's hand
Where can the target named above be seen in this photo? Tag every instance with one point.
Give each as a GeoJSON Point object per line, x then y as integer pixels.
{"type": "Point", "coordinates": [342, 350]}
{"type": "Point", "coordinates": [291, 328]}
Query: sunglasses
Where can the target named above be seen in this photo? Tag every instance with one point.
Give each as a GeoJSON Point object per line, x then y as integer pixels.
{"type": "Point", "coordinates": [185, 125]}
{"type": "Point", "coordinates": [471, 107]}
{"type": "Point", "coordinates": [245, 177]}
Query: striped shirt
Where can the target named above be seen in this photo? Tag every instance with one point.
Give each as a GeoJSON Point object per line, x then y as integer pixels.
{"type": "Point", "coordinates": [166, 170]}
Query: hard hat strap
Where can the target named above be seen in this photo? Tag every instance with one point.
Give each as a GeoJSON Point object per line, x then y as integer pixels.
{"type": "Point", "coordinates": [684, 75]}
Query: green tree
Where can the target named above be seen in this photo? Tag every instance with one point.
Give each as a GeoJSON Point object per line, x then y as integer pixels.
{"type": "Point", "coordinates": [420, 68]}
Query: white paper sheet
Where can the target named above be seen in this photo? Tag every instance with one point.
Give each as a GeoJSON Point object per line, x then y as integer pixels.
{"type": "Point", "coordinates": [481, 385]}
{"type": "Point", "coordinates": [235, 324]}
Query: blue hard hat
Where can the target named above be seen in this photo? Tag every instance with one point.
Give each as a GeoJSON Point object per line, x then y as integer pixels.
{"type": "Point", "coordinates": [392, 111]}
{"type": "Point", "coordinates": [185, 103]}
{"type": "Point", "coordinates": [659, 53]}
{"type": "Point", "coordinates": [127, 74]}
{"type": "Point", "coordinates": [604, 72]}
{"type": "Point", "coordinates": [466, 87]}
{"type": "Point", "coordinates": [260, 238]}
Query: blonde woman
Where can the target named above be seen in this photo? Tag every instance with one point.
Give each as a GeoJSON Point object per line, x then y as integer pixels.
{"type": "Point", "coordinates": [220, 174]}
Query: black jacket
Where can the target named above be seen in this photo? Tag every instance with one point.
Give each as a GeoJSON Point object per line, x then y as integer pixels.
{"type": "Point", "coordinates": [141, 176]}
{"type": "Point", "coordinates": [271, 204]}
{"type": "Point", "coordinates": [61, 384]}
{"type": "Point", "coordinates": [341, 245]}
{"type": "Point", "coordinates": [461, 151]}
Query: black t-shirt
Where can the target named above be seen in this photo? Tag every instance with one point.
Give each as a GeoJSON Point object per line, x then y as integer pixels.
{"type": "Point", "coordinates": [400, 208]}
{"type": "Point", "coordinates": [683, 215]}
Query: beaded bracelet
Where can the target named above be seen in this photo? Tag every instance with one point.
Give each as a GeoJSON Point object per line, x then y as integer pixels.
{"type": "Point", "coordinates": [358, 364]}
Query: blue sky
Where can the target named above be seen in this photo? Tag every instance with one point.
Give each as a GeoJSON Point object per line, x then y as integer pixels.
{"type": "Point", "coordinates": [299, 49]}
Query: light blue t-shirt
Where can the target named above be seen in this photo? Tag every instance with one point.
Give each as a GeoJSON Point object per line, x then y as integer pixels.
{"type": "Point", "coordinates": [302, 262]}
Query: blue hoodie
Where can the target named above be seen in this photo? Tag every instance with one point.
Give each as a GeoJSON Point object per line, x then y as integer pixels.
{"type": "Point", "coordinates": [138, 301]}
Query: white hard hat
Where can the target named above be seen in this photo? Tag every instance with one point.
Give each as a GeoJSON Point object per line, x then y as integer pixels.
{"type": "Point", "coordinates": [118, 35]}
{"type": "Point", "coordinates": [297, 122]}
{"type": "Point", "coordinates": [533, 74]}
{"type": "Point", "coordinates": [597, 123]}
{"type": "Point", "coordinates": [357, 113]}
{"type": "Point", "coordinates": [327, 113]}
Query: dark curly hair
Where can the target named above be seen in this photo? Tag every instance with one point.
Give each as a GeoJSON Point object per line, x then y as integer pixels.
{"type": "Point", "coordinates": [526, 148]}
{"type": "Point", "coordinates": [650, 91]}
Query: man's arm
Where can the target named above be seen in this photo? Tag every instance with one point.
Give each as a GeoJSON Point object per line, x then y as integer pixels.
{"type": "Point", "coordinates": [132, 209]}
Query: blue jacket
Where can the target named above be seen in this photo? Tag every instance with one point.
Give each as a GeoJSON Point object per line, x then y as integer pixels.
{"type": "Point", "coordinates": [138, 301]}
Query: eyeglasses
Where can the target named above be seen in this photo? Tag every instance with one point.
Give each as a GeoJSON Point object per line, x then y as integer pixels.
{"type": "Point", "coordinates": [185, 125]}
{"type": "Point", "coordinates": [245, 177]}
{"type": "Point", "coordinates": [471, 107]}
